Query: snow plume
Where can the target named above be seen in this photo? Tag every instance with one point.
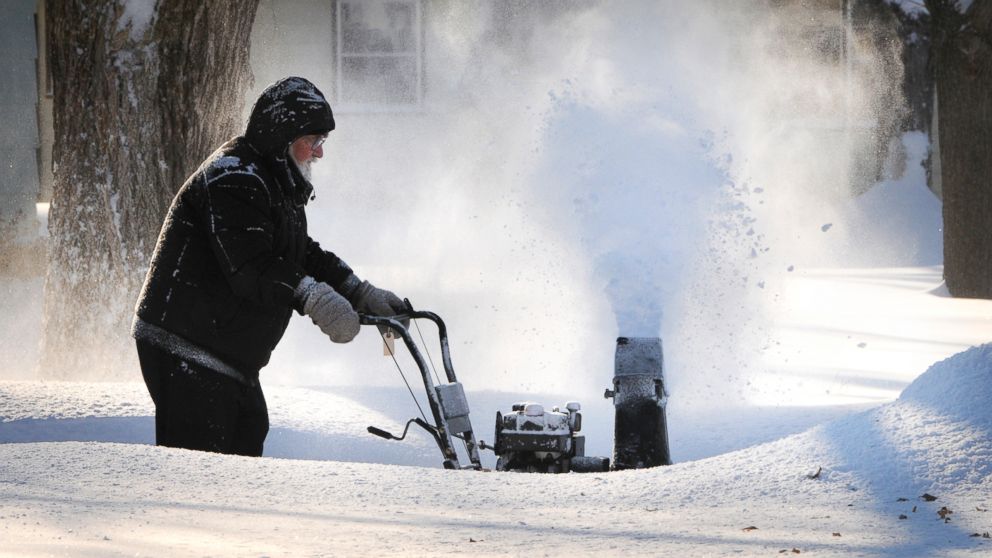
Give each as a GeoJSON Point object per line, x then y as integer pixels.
{"type": "Point", "coordinates": [633, 194]}
{"type": "Point", "coordinates": [582, 171]}
{"type": "Point", "coordinates": [22, 269]}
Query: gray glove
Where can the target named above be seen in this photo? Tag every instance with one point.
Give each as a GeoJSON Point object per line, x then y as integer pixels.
{"type": "Point", "coordinates": [371, 300]}
{"type": "Point", "coordinates": [330, 311]}
{"type": "Point", "coordinates": [377, 302]}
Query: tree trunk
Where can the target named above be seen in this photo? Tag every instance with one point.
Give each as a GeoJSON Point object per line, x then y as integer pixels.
{"type": "Point", "coordinates": [962, 58]}
{"type": "Point", "coordinates": [139, 100]}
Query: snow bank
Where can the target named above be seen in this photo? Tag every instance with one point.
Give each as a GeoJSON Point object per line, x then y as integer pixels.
{"type": "Point", "coordinates": [936, 438]}
{"type": "Point", "coordinates": [304, 423]}
{"type": "Point", "coordinates": [850, 487]}
{"type": "Point", "coordinates": [897, 222]}
{"type": "Point", "coordinates": [959, 386]}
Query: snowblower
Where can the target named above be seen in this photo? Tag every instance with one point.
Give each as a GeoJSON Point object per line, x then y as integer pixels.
{"type": "Point", "coordinates": [529, 438]}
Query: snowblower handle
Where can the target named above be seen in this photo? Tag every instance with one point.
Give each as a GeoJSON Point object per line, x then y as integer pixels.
{"type": "Point", "coordinates": [455, 412]}
{"type": "Point", "coordinates": [395, 322]}
{"type": "Point", "coordinates": [390, 436]}
{"type": "Point", "coordinates": [381, 433]}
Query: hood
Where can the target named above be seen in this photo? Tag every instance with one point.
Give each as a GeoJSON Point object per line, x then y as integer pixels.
{"type": "Point", "coordinates": [287, 109]}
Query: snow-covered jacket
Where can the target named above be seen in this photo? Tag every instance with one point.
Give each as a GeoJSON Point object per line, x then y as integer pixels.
{"type": "Point", "coordinates": [234, 245]}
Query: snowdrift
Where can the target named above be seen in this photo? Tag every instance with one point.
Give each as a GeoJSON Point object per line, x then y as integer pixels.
{"type": "Point", "coordinates": [853, 486]}
{"type": "Point", "coordinates": [305, 423]}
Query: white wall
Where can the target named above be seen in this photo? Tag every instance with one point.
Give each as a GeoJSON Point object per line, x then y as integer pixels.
{"type": "Point", "coordinates": [18, 113]}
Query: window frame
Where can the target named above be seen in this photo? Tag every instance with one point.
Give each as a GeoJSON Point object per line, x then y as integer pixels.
{"type": "Point", "coordinates": [341, 86]}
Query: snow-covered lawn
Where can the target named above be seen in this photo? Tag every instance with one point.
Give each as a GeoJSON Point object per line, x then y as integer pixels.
{"type": "Point", "coordinates": [547, 199]}
{"type": "Point", "coordinates": [78, 476]}
{"type": "Point", "coordinates": [78, 498]}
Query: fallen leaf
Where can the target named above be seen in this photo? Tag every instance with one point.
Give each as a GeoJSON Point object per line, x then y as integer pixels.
{"type": "Point", "coordinates": [914, 509]}
{"type": "Point", "coordinates": [928, 497]}
{"type": "Point", "coordinates": [902, 499]}
{"type": "Point", "coordinates": [975, 535]}
{"type": "Point", "coordinates": [796, 551]}
{"type": "Point", "coordinates": [815, 475]}
{"type": "Point", "coordinates": [986, 535]}
{"type": "Point", "coordinates": [944, 512]}
{"type": "Point", "coordinates": [902, 516]}
{"type": "Point", "coordinates": [981, 509]}
{"type": "Point", "coordinates": [836, 534]}
{"type": "Point", "coordinates": [751, 528]}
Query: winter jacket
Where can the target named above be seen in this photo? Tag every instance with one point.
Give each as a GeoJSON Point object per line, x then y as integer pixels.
{"type": "Point", "coordinates": [234, 245]}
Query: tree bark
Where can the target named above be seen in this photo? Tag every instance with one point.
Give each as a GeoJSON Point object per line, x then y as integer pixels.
{"type": "Point", "coordinates": [138, 103]}
{"type": "Point", "coordinates": [962, 63]}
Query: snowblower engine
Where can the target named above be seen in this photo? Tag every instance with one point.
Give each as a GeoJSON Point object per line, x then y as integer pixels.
{"type": "Point", "coordinates": [532, 440]}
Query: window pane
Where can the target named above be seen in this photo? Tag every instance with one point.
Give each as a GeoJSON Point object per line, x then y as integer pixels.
{"type": "Point", "coordinates": [379, 80]}
{"type": "Point", "coordinates": [376, 26]}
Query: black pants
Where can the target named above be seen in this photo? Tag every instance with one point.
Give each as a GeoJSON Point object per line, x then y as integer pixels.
{"type": "Point", "coordinates": [199, 409]}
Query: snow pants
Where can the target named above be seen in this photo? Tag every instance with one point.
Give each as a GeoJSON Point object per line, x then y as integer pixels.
{"type": "Point", "coordinates": [199, 409]}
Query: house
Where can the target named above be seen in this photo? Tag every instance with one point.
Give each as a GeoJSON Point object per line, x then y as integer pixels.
{"type": "Point", "coordinates": [385, 65]}
{"type": "Point", "coordinates": [23, 176]}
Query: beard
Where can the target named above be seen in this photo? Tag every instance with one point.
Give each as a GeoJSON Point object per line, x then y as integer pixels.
{"type": "Point", "coordinates": [304, 167]}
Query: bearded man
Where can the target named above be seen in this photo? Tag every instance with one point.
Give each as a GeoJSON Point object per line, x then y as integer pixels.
{"type": "Point", "coordinates": [232, 262]}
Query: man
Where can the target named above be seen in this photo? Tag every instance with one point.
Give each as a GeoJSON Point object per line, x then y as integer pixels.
{"type": "Point", "coordinates": [231, 263]}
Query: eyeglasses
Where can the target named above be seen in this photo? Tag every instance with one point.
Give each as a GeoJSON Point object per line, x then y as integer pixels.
{"type": "Point", "coordinates": [318, 142]}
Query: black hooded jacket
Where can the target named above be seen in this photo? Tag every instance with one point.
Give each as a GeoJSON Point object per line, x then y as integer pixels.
{"type": "Point", "coordinates": [234, 244]}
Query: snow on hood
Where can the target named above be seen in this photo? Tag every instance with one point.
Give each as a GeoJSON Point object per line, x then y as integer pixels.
{"type": "Point", "coordinates": [287, 109]}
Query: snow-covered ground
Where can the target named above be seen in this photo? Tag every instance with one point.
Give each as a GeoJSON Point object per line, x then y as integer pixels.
{"type": "Point", "coordinates": [821, 380]}
{"type": "Point", "coordinates": [78, 476]}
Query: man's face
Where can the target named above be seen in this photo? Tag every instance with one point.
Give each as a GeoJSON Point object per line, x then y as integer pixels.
{"type": "Point", "coordinates": [307, 149]}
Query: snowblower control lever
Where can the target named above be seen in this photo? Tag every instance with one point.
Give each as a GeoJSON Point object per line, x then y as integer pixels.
{"type": "Point", "coordinates": [390, 436]}
{"type": "Point", "coordinates": [447, 400]}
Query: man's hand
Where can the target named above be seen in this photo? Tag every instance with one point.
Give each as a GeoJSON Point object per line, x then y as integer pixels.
{"type": "Point", "coordinates": [378, 302]}
{"type": "Point", "coordinates": [331, 312]}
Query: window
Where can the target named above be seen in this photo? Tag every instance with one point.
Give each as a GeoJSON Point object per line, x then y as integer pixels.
{"type": "Point", "coordinates": [379, 54]}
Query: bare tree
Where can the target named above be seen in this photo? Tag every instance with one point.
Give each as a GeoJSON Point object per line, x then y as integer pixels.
{"type": "Point", "coordinates": [962, 63]}
{"type": "Point", "coordinates": [142, 93]}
